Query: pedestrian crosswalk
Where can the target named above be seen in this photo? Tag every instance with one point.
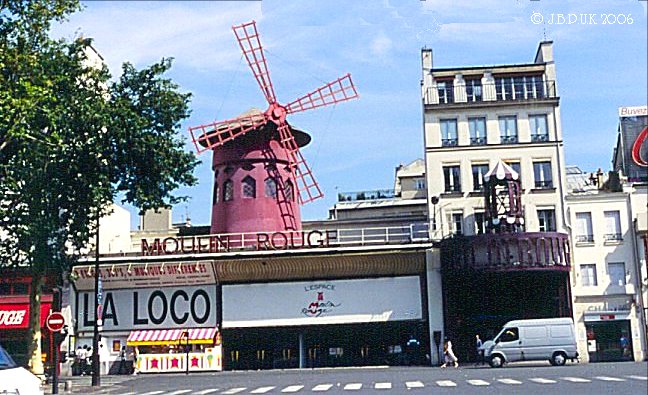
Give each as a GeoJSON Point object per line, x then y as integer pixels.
{"type": "Point", "coordinates": [414, 385]}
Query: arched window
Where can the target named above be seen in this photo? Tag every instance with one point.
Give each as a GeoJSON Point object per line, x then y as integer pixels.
{"type": "Point", "coordinates": [270, 187]}
{"type": "Point", "coordinates": [248, 187]}
{"type": "Point", "coordinates": [288, 190]}
{"type": "Point", "coordinates": [216, 198]}
{"type": "Point", "coordinates": [228, 190]}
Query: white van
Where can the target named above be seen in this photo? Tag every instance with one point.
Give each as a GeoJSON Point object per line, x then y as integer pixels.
{"type": "Point", "coordinates": [551, 339]}
{"type": "Point", "coordinates": [15, 380]}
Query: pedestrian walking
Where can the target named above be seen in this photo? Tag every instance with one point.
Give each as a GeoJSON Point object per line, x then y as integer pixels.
{"type": "Point", "coordinates": [135, 357]}
{"type": "Point", "coordinates": [479, 351]}
{"type": "Point", "coordinates": [448, 354]}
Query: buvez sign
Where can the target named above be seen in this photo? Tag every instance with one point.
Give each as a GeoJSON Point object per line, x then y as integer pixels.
{"type": "Point", "coordinates": [164, 308]}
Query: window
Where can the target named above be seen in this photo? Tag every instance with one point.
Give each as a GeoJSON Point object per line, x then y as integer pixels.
{"type": "Point", "coordinates": [509, 335]}
{"type": "Point", "coordinates": [588, 275]}
{"type": "Point", "coordinates": [457, 223]}
{"type": "Point", "coordinates": [520, 87]}
{"type": "Point", "coordinates": [516, 166]}
{"type": "Point", "coordinates": [448, 132]}
{"type": "Point", "coordinates": [480, 224]}
{"type": "Point", "coordinates": [547, 220]}
{"type": "Point", "coordinates": [216, 197]}
{"type": "Point", "coordinates": [616, 271]}
{"type": "Point", "coordinates": [270, 187]}
{"type": "Point", "coordinates": [508, 129]}
{"type": "Point", "coordinates": [419, 184]}
{"type": "Point", "coordinates": [584, 228]}
{"type": "Point", "coordinates": [228, 190]}
{"type": "Point", "coordinates": [452, 179]}
{"type": "Point", "coordinates": [542, 175]}
{"type": "Point", "coordinates": [248, 187]}
{"type": "Point", "coordinates": [446, 92]}
{"type": "Point", "coordinates": [477, 128]}
{"type": "Point", "coordinates": [288, 189]}
{"type": "Point", "coordinates": [612, 226]}
{"type": "Point", "coordinates": [478, 172]}
{"type": "Point", "coordinates": [474, 90]}
{"type": "Point", "coordinates": [538, 126]}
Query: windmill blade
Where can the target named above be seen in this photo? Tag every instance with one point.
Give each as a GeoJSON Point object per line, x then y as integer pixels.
{"type": "Point", "coordinates": [337, 91]}
{"type": "Point", "coordinates": [248, 39]}
{"type": "Point", "coordinates": [307, 188]}
{"type": "Point", "coordinates": [215, 134]}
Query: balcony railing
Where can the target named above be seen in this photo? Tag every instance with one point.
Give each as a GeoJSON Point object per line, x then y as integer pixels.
{"type": "Point", "coordinates": [478, 141]}
{"type": "Point", "coordinates": [366, 195]}
{"type": "Point", "coordinates": [452, 188]}
{"type": "Point", "coordinates": [585, 238]}
{"type": "Point", "coordinates": [449, 142]}
{"type": "Point", "coordinates": [613, 237]}
{"type": "Point", "coordinates": [509, 139]}
{"type": "Point", "coordinates": [489, 92]}
{"type": "Point", "coordinates": [536, 138]}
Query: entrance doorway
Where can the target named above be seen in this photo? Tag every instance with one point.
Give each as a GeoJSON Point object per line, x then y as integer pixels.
{"type": "Point", "coordinates": [609, 341]}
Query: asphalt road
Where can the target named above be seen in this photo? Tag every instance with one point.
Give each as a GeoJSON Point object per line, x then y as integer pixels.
{"type": "Point", "coordinates": [540, 378]}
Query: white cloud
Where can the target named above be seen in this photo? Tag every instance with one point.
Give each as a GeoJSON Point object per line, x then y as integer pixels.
{"type": "Point", "coordinates": [381, 45]}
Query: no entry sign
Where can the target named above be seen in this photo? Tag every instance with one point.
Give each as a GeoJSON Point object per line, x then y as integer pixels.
{"type": "Point", "coordinates": [55, 322]}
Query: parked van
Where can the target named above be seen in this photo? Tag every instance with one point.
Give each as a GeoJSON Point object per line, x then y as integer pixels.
{"type": "Point", "coordinates": [551, 339]}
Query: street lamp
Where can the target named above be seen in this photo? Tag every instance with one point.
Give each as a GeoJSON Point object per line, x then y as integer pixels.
{"type": "Point", "coordinates": [434, 200]}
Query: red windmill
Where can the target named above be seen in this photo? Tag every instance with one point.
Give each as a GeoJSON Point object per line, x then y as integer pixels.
{"type": "Point", "coordinates": [261, 148]}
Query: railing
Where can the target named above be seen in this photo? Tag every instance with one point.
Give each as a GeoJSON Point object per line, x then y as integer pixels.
{"type": "Point", "coordinates": [543, 184]}
{"type": "Point", "coordinates": [536, 138]}
{"type": "Point", "coordinates": [366, 195]}
{"type": "Point", "coordinates": [478, 141]}
{"type": "Point", "coordinates": [613, 237]}
{"type": "Point", "coordinates": [509, 139]}
{"type": "Point", "coordinates": [452, 188]}
{"type": "Point", "coordinates": [449, 142]}
{"type": "Point", "coordinates": [416, 232]}
{"type": "Point", "coordinates": [492, 91]}
{"type": "Point", "coordinates": [585, 238]}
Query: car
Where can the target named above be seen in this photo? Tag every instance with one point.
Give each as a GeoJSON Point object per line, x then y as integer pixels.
{"type": "Point", "coordinates": [15, 380]}
{"type": "Point", "coordinates": [550, 339]}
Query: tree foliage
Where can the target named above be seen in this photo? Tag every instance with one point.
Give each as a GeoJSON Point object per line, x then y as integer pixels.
{"type": "Point", "coordinates": [72, 139]}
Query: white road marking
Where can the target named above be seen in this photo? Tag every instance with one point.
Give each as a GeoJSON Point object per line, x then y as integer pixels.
{"type": "Point", "coordinates": [234, 390]}
{"type": "Point", "coordinates": [608, 378]}
{"type": "Point", "coordinates": [446, 383]}
{"type": "Point", "coordinates": [638, 377]}
{"type": "Point", "coordinates": [205, 392]}
{"type": "Point", "coordinates": [577, 380]}
{"type": "Point", "coordinates": [383, 386]}
{"type": "Point", "coordinates": [153, 393]}
{"type": "Point", "coordinates": [262, 390]}
{"type": "Point", "coordinates": [353, 387]}
{"type": "Point", "coordinates": [509, 381]}
{"type": "Point", "coordinates": [292, 388]}
{"type": "Point", "coordinates": [414, 384]}
{"type": "Point", "coordinates": [178, 392]}
{"type": "Point", "coordinates": [540, 380]}
{"type": "Point", "coordinates": [322, 387]}
{"type": "Point", "coordinates": [478, 382]}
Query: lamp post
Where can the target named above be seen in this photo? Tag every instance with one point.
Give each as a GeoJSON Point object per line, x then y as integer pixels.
{"type": "Point", "coordinates": [434, 200]}
{"type": "Point", "coordinates": [186, 335]}
{"type": "Point", "coordinates": [96, 380]}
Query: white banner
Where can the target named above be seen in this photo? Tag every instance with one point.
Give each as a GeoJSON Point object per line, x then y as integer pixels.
{"type": "Point", "coordinates": [150, 308]}
{"type": "Point", "coordinates": [322, 302]}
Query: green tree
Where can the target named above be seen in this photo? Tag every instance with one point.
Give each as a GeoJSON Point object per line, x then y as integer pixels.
{"type": "Point", "coordinates": [72, 140]}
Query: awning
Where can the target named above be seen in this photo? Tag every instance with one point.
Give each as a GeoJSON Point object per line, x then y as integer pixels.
{"type": "Point", "coordinates": [160, 337]}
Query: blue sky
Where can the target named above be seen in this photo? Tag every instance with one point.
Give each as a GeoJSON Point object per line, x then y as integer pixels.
{"type": "Point", "coordinates": [357, 144]}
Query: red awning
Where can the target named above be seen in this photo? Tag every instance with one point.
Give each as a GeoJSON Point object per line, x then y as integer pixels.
{"type": "Point", "coordinates": [155, 337]}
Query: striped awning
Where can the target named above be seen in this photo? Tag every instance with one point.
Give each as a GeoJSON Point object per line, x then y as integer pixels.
{"type": "Point", "coordinates": [159, 337]}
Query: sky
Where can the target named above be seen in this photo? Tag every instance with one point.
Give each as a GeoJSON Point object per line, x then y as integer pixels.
{"type": "Point", "coordinates": [356, 145]}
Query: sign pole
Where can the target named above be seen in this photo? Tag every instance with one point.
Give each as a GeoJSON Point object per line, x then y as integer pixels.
{"type": "Point", "coordinates": [96, 379]}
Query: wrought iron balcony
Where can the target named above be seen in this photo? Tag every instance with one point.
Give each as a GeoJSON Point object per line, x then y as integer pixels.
{"type": "Point", "coordinates": [366, 195]}
{"type": "Point", "coordinates": [449, 142]}
{"type": "Point", "coordinates": [478, 141]}
{"type": "Point", "coordinates": [500, 91]}
{"type": "Point", "coordinates": [585, 238]}
{"type": "Point", "coordinates": [613, 237]}
{"type": "Point", "coordinates": [537, 138]}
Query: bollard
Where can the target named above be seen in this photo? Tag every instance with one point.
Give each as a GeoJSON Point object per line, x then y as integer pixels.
{"type": "Point", "coordinates": [67, 386]}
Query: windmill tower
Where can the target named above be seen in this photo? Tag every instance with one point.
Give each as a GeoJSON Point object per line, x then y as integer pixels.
{"type": "Point", "coordinates": [260, 175]}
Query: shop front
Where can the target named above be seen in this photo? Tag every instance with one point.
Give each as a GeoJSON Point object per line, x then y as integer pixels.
{"type": "Point", "coordinates": [609, 336]}
{"type": "Point", "coordinates": [164, 314]}
{"type": "Point", "coordinates": [324, 323]}
{"type": "Point", "coordinates": [14, 326]}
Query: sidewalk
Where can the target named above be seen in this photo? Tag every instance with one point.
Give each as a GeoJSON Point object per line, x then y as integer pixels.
{"type": "Point", "coordinates": [83, 384]}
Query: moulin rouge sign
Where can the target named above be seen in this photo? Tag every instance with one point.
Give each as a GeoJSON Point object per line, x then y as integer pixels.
{"type": "Point", "coordinates": [224, 243]}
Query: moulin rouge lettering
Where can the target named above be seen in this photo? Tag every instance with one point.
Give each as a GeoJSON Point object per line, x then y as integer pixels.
{"type": "Point", "coordinates": [225, 243]}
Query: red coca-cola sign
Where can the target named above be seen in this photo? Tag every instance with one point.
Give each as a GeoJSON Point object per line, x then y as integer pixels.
{"type": "Point", "coordinates": [16, 315]}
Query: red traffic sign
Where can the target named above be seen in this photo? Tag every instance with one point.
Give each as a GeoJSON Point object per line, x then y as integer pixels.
{"type": "Point", "coordinates": [55, 322]}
